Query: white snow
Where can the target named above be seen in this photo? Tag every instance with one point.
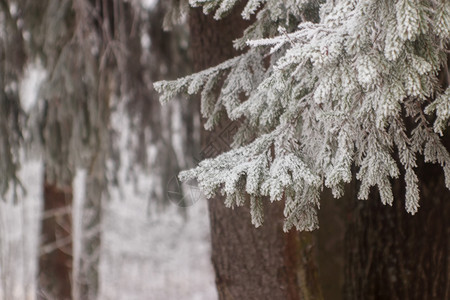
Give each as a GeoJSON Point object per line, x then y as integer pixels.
{"type": "Point", "coordinates": [147, 253]}
{"type": "Point", "coordinates": [149, 4]}
{"type": "Point", "coordinates": [19, 231]}
{"type": "Point", "coordinates": [29, 89]}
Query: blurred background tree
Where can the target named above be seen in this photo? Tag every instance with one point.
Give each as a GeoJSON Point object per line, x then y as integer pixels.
{"type": "Point", "coordinates": [99, 57]}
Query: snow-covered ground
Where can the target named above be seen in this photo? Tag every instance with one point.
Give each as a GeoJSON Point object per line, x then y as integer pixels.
{"type": "Point", "coordinates": [19, 231]}
{"type": "Point", "coordinates": [163, 254]}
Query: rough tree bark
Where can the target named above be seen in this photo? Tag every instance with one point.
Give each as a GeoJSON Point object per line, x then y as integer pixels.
{"type": "Point", "coordinates": [249, 263]}
{"type": "Point", "coordinates": [393, 255]}
{"type": "Point", "coordinates": [55, 261]}
{"type": "Point", "coordinates": [390, 254]}
{"type": "Point", "coordinates": [330, 245]}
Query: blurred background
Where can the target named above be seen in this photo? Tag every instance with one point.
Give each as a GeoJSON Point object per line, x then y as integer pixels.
{"type": "Point", "coordinates": [91, 206]}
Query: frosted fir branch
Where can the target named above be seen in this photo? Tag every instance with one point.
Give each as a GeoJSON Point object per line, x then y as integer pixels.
{"type": "Point", "coordinates": [341, 166]}
{"type": "Point", "coordinates": [211, 173]}
{"type": "Point", "coordinates": [269, 15]}
{"type": "Point", "coordinates": [287, 171]}
{"type": "Point", "coordinates": [408, 160]}
{"type": "Point", "coordinates": [266, 24]}
{"type": "Point", "coordinates": [208, 5]}
{"type": "Point", "coordinates": [305, 33]}
{"type": "Point", "coordinates": [221, 7]}
{"type": "Point", "coordinates": [427, 142]}
{"type": "Point", "coordinates": [435, 152]}
{"type": "Point", "coordinates": [376, 168]}
{"type": "Point", "coordinates": [256, 211]}
{"type": "Point", "coordinates": [412, 195]}
{"type": "Point", "coordinates": [301, 210]}
{"type": "Point", "coordinates": [251, 170]}
{"type": "Point", "coordinates": [224, 8]}
{"type": "Point", "coordinates": [442, 108]}
{"type": "Point", "coordinates": [238, 77]}
{"type": "Point", "coordinates": [251, 7]}
{"type": "Point", "coordinates": [190, 84]}
{"type": "Point", "coordinates": [332, 98]}
{"type": "Point", "coordinates": [442, 20]}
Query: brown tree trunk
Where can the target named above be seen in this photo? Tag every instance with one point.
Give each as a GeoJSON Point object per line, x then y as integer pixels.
{"type": "Point", "coordinates": [55, 262]}
{"type": "Point", "coordinates": [391, 254]}
{"type": "Point", "coordinates": [330, 244]}
{"type": "Point", "coordinates": [249, 262]}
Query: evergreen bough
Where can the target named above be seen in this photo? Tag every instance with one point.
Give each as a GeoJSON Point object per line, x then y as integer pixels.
{"type": "Point", "coordinates": [327, 86]}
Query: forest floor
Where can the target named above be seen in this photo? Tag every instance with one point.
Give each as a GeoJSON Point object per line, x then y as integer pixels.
{"type": "Point", "coordinates": [147, 252]}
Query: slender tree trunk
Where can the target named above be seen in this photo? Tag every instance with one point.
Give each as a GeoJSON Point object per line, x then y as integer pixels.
{"type": "Point", "coordinates": [55, 261]}
{"type": "Point", "coordinates": [249, 263]}
{"type": "Point", "coordinates": [95, 187]}
{"type": "Point", "coordinates": [88, 276]}
{"type": "Point", "coordinates": [107, 26]}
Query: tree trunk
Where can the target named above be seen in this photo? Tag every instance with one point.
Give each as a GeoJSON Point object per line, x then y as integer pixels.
{"type": "Point", "coordinates": [391, 254]}
{"type": "Point", "coordinates": [330, 245]}
{"type": "Point", "coordinates": [55, 261]}
{"type": "Point", "coordinates": [95, 187]}
{"type": "Point", "coordinates": [249, 262]}
{"type": "Point", "coordinates": [89, 261]}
